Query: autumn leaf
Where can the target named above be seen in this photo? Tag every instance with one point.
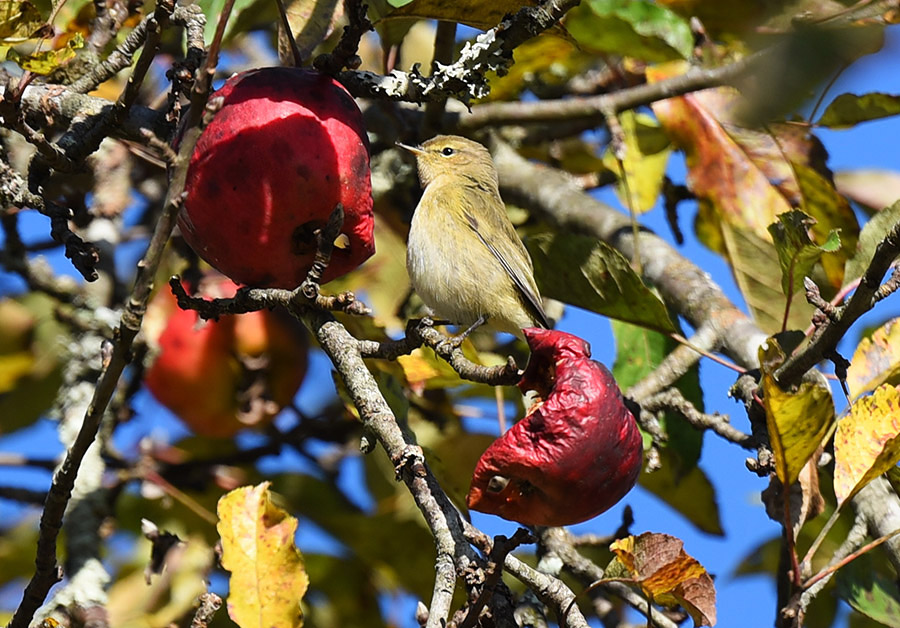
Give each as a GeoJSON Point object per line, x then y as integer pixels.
{"type": "Point", "coordinates": [721, 169]}
{"type": "Point", "coordinates": [422, 369]}
{"type": "Point", "coordinates": [475, 13]}
{"type": "Point", "coordinates": [876, 360]}
{"type": "Point", "coordinates": [744, 179]}
{"type": "Point", "coordinates": [797, 420]}
{"type": "Point", "coordinates": [870, 187]}
{"type": "Point", "coordinates": [866, 443]}
{"type": "Point", "coordinates": [658, 564]}
{"type": "Point", "coordinates": [267, 576]}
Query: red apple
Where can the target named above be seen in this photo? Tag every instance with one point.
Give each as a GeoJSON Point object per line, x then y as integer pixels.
{"type": "Point", "coordinates": [286, 145]}
{"type": "Point", "coordinates": [576, 453]}
{"type": "Point", "coordinates": [223, 376]}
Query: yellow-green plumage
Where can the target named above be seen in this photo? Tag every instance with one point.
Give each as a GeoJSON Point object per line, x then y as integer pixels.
{"type": "Point", "coordinates": [464, 257]}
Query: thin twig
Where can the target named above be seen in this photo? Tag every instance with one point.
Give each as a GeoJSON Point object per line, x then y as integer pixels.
{"type": "Point", "coordinates": [848, 559]}
{"type": "Point", "coordinates": [826, 338]}
{"type": "Point", "coordinates": [673, 399]}
{"type": "Point", "coordinates": [344, 54]}
{"type": "Point", "coordinates": [47, 571]}
{"type": "Point", "coordinates": [466, 78]}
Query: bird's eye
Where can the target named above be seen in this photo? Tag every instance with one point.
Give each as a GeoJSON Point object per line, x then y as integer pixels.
{"type": "Point", "coordinates": [497, 484]}
{"type": "Point", "coordinates": [447, 151]}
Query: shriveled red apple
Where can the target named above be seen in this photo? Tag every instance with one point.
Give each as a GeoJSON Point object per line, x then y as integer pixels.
{"type": "Point", "coordinates": [576, 453]}
{"type": "Point", "coordinates": [223, 376]}
{"type": "Point", "coordinates": [285, 146]}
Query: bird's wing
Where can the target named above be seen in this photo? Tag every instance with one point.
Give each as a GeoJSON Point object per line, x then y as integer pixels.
{"type": "Point", "coordinates": [511, 254]}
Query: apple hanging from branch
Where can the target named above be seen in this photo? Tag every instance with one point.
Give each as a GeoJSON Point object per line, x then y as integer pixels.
{"type": "Point", "coordinates": [284, 147]}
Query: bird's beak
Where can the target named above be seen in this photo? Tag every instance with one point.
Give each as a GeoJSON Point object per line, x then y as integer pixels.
{"type": "Point", "coordinates": [415, 150]}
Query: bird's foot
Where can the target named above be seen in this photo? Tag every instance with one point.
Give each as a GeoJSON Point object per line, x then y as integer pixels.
{"type": "Point", "coordinates": [456, 341]}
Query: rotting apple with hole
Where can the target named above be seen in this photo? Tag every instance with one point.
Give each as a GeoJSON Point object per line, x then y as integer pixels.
{"type": "Point", "coordinates": [576, 453]}
{"type": "Point", "coordinates": [220, 377]}
{"type": "Point", "coordinates": [285, 146]}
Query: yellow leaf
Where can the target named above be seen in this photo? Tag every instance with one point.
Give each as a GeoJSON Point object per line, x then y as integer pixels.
{"type": "Point", "coordinates": [19, 20]}
{"type": "Point", "coordinates": [667, 574]}
{"type": "Point", "coordinates": [876, 360]}
{"type": "Point", "coordinates": [13, 367]}
{"type": "Point", "coordinates": [548, 59]}
{"type": "Point", "coordinates": [867, 441]}
{"type": "Point", "coordinates": [797, 420]}
{"type": "Point", "coordinates": [48, 60]}
{"type": "Point", "coordinates": [646, 157]}
{"type": "Point", "coordinates": [475, 13]}
{"type": "Point", "coordinates": [267, 575]}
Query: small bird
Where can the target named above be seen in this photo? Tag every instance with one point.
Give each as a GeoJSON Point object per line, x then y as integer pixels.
{"type": "Point", "coordinates": [463, 256]}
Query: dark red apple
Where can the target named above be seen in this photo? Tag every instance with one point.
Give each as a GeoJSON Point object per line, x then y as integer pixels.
{"type": "Point", "coordinates": [576, 453]}
{"type": "Point", "coordinates": [286, 145]}
{"type": "Point", "coordinates": [223, 376]}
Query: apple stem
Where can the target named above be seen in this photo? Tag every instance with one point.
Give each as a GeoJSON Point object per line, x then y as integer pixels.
{"type": "Point", "coordinates": [325, 246]}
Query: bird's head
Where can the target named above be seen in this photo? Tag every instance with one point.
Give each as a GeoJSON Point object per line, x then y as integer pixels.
{"type": "Point", "coordinates": [452, 155]}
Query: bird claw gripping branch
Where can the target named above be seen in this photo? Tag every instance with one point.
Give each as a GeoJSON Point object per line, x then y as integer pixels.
{"type": "Point", "coordinates": [576, 453]}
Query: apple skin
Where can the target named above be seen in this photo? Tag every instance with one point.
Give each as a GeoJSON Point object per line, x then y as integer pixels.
{"type": "Point", "coordinates": [574, 455]}
{"type": "Point", "coordinates": [286, 145]}
{"type": "Point", "coordinates": [201, 374]}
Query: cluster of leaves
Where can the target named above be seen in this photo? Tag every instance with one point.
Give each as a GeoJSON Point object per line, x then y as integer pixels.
{"type": "Point", "coordinates": [767, 204]}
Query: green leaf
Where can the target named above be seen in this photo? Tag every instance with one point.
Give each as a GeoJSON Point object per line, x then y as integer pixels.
{"type": "Point", "coordinates": [871, 235]}
{"type": "Point", "coordinates": [17, 545]}
{"type": "Point", "coordinates": [388, 540]}
{"type": "Point", "coordinates": [638, 352]}
{"type": "Point", "coordinates": [850, 109]}
{"type": "Point", "coordinates": [212, 9]}
{"type": "Point", "coordinates": [633, 28]}
{"type": "Point", "coordinates": [340, 593]}
{"type": "Point", "coordinates": [19, 20]}
{"type": "Point", "coordinates": [32, 343]}
{"type": "Point", "coordinates": [869, 592]}
{"type": "Point", "coordinates": [591, 274]}
{"type": "Point", "coordinates": [797, 254]}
